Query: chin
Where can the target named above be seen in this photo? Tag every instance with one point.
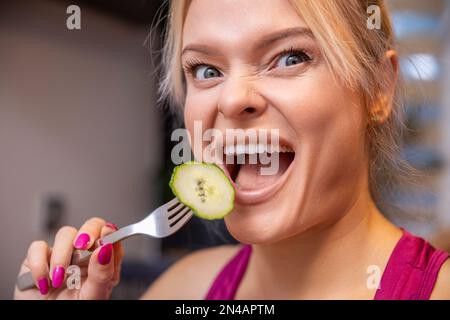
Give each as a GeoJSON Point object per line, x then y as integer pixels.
{"type": "Point", "coordinates": [260, 224]}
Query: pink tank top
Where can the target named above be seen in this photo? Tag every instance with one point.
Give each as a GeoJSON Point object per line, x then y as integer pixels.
{"type": "Point", "coordinates": [410, 273]}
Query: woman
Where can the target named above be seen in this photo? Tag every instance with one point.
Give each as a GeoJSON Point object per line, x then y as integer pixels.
{"type": "Point", "coordinates": [318, 73]}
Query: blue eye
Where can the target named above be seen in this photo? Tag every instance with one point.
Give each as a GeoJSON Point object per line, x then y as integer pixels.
{"type": "Point", "coordinates": [206, 72]}
{"type": "Point", "coordinates": [292, 58]}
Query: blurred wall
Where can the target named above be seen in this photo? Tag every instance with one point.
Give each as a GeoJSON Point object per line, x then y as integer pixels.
{"type": "Point", "coordinates": [421, 30]}
{"type": "Point", "coordinates": [77, 120]}
{"type": "Point", "coordinates": [444, 204]}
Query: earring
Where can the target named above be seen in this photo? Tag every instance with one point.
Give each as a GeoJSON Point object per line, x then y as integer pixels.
{"type": "Point", "coordinates": [374, 118]}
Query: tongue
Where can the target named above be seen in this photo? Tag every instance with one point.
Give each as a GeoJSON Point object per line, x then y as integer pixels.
{"type": "Point", "coordinates": [250, 177]}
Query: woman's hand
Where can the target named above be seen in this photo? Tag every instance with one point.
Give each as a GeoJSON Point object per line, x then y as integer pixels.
{"type": "Point", "coordinates": [49, 265]}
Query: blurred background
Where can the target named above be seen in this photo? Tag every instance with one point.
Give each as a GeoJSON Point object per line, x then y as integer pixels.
{"type": "Point", "coordinates": [81, 134]}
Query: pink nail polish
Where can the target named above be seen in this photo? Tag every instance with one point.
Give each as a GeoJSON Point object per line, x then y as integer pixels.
{"type": "Point", "coordinates": [58, 276]}
{"type": "Point", "coordinates": [82, 241]}
{"type": "Point", "coordinates": [105, 253]}
{"type": "Point", "coordinates": [43, 285]}
{"type": "Point", "coordinates": [112, 226]}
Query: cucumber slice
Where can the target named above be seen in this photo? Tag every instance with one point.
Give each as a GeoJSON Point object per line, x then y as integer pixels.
{"type": "Point", "coordinates": [204, 188]}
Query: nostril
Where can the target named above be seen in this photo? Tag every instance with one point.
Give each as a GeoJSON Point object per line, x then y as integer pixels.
{"type": "Point", "coordinates": [250, 110]}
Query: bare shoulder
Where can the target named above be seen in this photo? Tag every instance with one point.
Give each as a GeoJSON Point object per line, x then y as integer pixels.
{"type": "Point", "coordinates": [191, 276]}
{"type": "Point", "coordinates": [441, 289]}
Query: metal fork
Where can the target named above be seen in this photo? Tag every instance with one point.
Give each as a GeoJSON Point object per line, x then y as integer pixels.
{"type": "Point", "coordinates": [162, 222]}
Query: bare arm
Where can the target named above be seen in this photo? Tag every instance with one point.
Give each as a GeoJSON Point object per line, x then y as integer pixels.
{"type": "Point", "coordinates": [441, 289]}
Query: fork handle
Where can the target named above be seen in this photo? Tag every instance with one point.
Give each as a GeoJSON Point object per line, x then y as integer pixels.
{"type": "Point", "coordinates": [80, 257]}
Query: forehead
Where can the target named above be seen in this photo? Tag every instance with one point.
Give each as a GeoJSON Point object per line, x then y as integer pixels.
{"type": "Point", "coordinates": [236, 22]}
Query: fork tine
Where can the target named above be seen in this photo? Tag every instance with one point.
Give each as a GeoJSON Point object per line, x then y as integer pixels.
{"type": "Point", "coordinates": [176, 207]}
{"type": "Point", "coordinates": [171, 204]}
{"type": "Point", "coordinates": [174, 212]}
{"type": "Point", "coordinates": [173, 218]}
{"type": "Point", "coordinates": [181, 222]}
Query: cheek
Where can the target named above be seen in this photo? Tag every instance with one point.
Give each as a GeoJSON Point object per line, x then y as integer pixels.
{"type": "Point", "coordinates": [315, 103]}
{"type": "Point", "coordinates": [329, 122]}
{"type": "Point", "coordinates": [199, 113]}
{"type": "Point", "coordinates": [192, 112]}
{"type": "Point", "coordinates": [328, 119]}
{"type": "Point", "coordinates": [200, 106]}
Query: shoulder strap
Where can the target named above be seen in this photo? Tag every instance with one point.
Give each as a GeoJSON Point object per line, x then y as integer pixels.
{"type": "Point", "coordinates": [227, 282]}
{"type": "Point", "coordinates": [411, 271]}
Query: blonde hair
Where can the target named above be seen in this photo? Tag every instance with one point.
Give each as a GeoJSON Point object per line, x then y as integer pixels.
{"type": "Point", "coordinates": [355, 55]}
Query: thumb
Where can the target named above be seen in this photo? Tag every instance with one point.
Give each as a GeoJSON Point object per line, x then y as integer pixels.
{"type": "Point", "coordinates": [99, 282]}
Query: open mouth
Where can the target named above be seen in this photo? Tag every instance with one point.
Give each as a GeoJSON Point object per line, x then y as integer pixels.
{"type": "Point", "coordinates": [257, 171]}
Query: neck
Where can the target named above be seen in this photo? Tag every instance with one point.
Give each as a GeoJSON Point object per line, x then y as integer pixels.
{"type": "Point", "coordinates": [328, 262]}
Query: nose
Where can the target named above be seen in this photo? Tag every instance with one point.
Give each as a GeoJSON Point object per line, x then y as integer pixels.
{"type": "Point", "coordinates": [240, 100]}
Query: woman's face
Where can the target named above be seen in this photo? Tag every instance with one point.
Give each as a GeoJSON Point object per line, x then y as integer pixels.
{"type": "Point", "coordinates": [259, 67]}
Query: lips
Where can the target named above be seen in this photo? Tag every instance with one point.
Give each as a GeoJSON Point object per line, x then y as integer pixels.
{"type": "Point", "coordinates": [257, 172]}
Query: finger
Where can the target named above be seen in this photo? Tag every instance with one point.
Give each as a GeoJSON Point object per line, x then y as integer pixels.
{"type": "Point", "coordinates": [118, 251]}
{"type": "Point", "coordinates": [61, 255]}
{"type": "Point", "coordinates": [37, 261]}
{"type": "Point", "coordinates": [112, 226]}
{"type": "Point", "coordinates": [100, 279]}
{"type": "Point", "coordinates": [88, 233]}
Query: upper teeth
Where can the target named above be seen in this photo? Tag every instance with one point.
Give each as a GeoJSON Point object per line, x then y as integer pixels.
{"type": "Point", "coordinates": [254, 148]}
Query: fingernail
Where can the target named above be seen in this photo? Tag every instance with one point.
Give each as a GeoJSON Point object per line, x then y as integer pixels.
{"type": "Point", "coordinates": [43, 285]}
{"type": "Point", "coordinates": [104, 256]}
{"type": "Point", "coordinates": [58, 276]}
{"type": "Point", "coordinates": [112, 226]}
{"type": "Point", "coordinates": [82, 241]}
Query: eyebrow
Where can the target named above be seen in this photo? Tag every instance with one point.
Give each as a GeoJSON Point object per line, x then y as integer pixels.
{"type": "Point", "coordinates": [263, 42]}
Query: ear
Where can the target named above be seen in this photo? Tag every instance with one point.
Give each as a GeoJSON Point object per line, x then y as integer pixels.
{"type": "Point", "coordinates": [382, 107]}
